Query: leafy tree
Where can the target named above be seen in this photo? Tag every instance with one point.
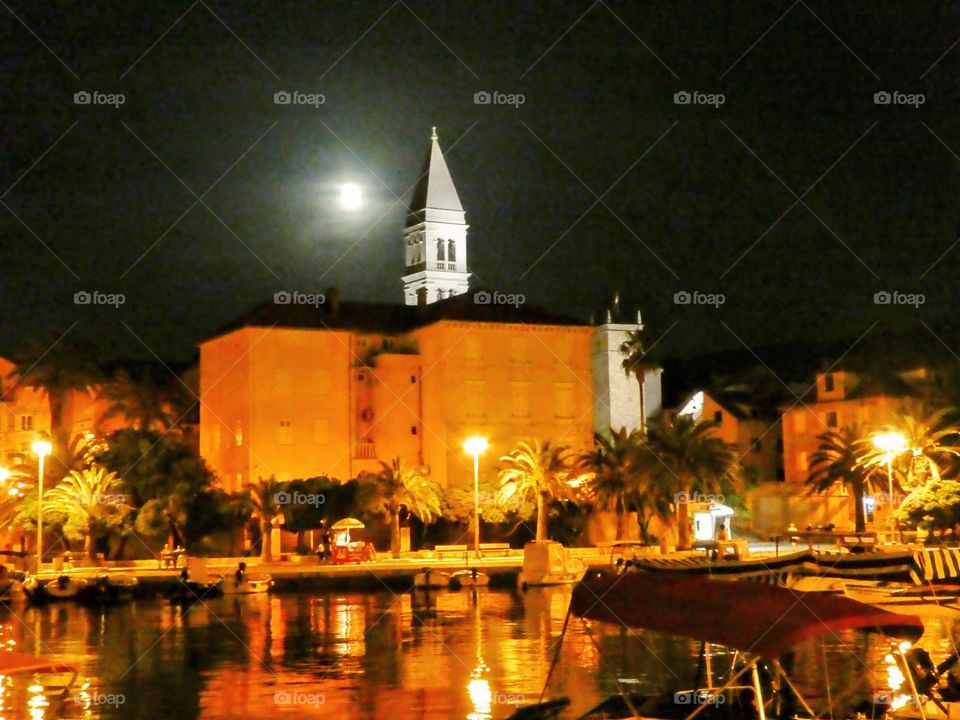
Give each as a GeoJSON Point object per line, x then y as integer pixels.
{"type": "Point", "coordinates": [163, 475]}
{"type": "Point", "coordinates": [87, 503]}
{"type": "Point", "coordinates": [143, 402]}
{"type": "Point", "coordinates": [840, 460]}
{"type": "Point", "coordinates": [930, 442]}
{"type": "Point", "coordinates": [688, 457]}
{"type": "Point", "coordinates": [615, 472]}
{"type": "Point", "coordinates": [934, 506]}
{"type": "Point", "coordinates": [539, 471]}
{"type": "Point", "coordinates": [395, 488]}
{"type": "Point", "coordinates": [265, 496]}
{"type": "Point", "coordinates": [456, 503]}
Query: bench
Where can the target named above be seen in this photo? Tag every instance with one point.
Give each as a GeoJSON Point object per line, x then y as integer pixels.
{"type": "Point", "coordinates": [501, 549]}
{"type": "Point", "coordinates": [441, 550]}
{"type": "Point", "coordinates": [858, 543]}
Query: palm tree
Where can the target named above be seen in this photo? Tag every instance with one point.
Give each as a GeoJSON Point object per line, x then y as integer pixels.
{"type": "Point", "coordinates": [397, 487]}
{"type": "Point", "coordinates": [88, 500]}
{"type": "Point", "coordinates": [612, 464]}
{"type": "Point", "coordinates": [265, 497]}
{"type": "Point", "coordinates": [840, 460]}
{"type": "Point", "coordinates": [540, 470]}
{"type": "Point", "coordinates": [637, 362]}
{"type": "Point", "coordinates": [930, 442]}
{"type": "Point", "coordinates": [687, 455]}
{"type": "Point", "coordinates": [142, 402]}
{"type": "Point", "coordinates": [56, 369]}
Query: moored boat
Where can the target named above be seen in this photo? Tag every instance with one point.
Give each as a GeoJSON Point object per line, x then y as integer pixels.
{"type": "Point", "coordinates": [51, 680]}
{"type": "Point", "coordinates": [428, 579]}
{"type": "Point", "coordinates": [64, 587]}
{"type": "Point", "coordinates": [248, 585]}
{"type": "Point", "coordinates": [549, 563]}
{"type": "Point", "coordinates": [108, 590]}
{"type": "Point", "coordinates": [470, 578]}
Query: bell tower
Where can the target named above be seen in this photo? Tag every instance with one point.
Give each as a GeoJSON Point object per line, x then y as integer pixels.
{"type": "Point", "coordinates": [435, 238]}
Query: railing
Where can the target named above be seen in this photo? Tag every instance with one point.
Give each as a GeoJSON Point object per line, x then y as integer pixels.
{"type": "Point", "coordinates": [365, 449]}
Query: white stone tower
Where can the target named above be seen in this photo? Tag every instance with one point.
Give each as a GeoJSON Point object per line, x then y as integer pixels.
{"type": "Point", "coordinates": [435, 239]}
{"type": "Point", "coordinates": [616, 394]}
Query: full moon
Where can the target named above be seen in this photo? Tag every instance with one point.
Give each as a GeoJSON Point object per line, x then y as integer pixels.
{"type": "Point", "coordinates": [351, 196]}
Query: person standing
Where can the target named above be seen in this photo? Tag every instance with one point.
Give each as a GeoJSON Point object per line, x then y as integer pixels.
{"type": "Point", "coordinates": [326, 537]}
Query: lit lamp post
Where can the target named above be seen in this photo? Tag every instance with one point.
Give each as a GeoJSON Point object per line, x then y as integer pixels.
{"type": "Point", "coordinates": [892, 444]}
{"type": "Point", "coordinates": [41, 448]}
{"type": "Point", "coordinates": [476, 445]}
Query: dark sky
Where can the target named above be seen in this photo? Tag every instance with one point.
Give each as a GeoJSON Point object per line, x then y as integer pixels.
{"type": "Point", "coordinates": [692, 197]}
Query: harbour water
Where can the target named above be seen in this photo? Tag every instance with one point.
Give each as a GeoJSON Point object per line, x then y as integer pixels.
{"type": "Point", "coordinates": [471, 655]}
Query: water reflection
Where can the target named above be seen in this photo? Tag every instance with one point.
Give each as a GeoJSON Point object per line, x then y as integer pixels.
{"type": "Point", "coordinates": [469, 654]}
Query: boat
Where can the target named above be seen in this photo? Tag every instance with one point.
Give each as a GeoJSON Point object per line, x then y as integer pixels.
{"type": "Point", "coordinates": [108, 590]}
{"type": "Point", "coordinates": [250, 585]}
{"type": "Point", "coordinates": [194, 584]}
{"type": "Point", "coordinates": [63, 587]}
{"type": "Point", "coordinates": [470, 578]}
{"type": "Point", "coordinates": [759, 623]}
{"type": "Point", "coordinates": [549, 563]}
{"type": "Point", "coordinates": [429, 579]}
{"type": "Point", "coordinates": [50, 684]}
{"type": "Point", "coordinates": [880, 593]}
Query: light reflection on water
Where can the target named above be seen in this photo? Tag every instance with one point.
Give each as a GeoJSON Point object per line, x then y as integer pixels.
{"type": "Point", "coordinates": [468, 654]}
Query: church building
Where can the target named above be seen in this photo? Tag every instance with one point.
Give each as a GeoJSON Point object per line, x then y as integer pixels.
{"type": "Point", "coordinates": [298, 391]}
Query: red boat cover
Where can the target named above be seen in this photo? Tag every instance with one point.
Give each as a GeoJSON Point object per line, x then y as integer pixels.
{"type": "Point", "coordinates": [14, 662]}
{"type": "Point", "coordinates": [761, 619]}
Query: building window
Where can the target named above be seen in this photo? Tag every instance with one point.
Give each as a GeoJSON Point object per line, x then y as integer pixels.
{"type": "Point", "coordinates": [518, 349]}
{"type": "Point", "coordinates": [828, 382]}
{"type": "Point", "coordinates": [803, 461]}
{"type": "Point", "coordinates": [451, 252]}
{"type": "Point", "coordinates": [440, 250]}
{"type": "Point", "coordinates": [718, 416]}
{"type": "Point", "coordinates": [565, 399]}
{"type": "Point", "coordinates": [475, 392]}
{"type": "Point", "coordinates": [413, 379]}
{"type": "Point", "coordinates": [472, 347]}
{"type": "Point", "coordinates": [285, 433]}
{"type": "Point", "coordinates": [520, 399]}
{"type": "Point", "coordinates": [238, 433]}
{"type": "Point", "coordinates": [832, 420]}
{"type": "Point", "coordinates": [26, 422]}
{"type": "Point", "coordinates": [413, 429]}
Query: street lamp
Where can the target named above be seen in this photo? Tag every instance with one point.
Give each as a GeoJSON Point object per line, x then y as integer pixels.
{"type": "Point", "coordinates": [476, 445]}
{"type": "Point", "coordinates": [41, 448]}
{"type": "Point", "coordinates": [892, 444]}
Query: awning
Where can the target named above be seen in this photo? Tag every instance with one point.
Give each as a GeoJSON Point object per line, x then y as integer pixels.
{"type": "Point", "coordinates": [759, 619]}
{"type": "Point", "coordinates": [14, 662]}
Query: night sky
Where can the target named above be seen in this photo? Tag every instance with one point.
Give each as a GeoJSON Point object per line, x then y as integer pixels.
{"type": "Point", "coordinates": [798, 198]}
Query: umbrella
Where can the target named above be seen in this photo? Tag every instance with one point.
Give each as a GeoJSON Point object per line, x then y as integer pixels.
{"type": "Point", "coordinates": [347, 524]}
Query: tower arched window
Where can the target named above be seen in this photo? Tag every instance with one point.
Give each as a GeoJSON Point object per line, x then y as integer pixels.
{"type": "Point", "coordinates": [451, 250]}
{"type": "Point", "coordinates": [440, 247]}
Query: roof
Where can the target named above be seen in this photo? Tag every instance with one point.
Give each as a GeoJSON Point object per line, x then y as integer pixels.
{"type": "Point", "coordinates": [435, 188]}
{"type": "Point", "coordinates": [761, 619]}
{"type": "Point", "coordinates": [391, 318]}
{"type": "Point", "coordinates": [11, 662]}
